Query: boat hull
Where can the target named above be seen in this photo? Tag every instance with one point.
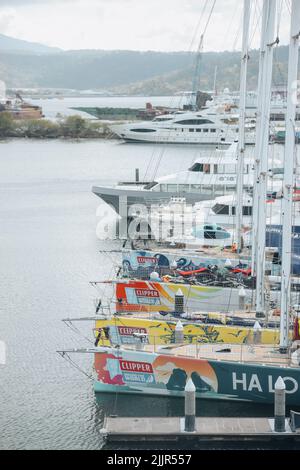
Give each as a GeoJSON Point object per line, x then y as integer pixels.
{"type": "Point", "coordinates": [121, 199]}
{"type": "Point", "coordinates": [124, 330]}
{"type": "Point", "coordinates": [146, 373]}
{"type": "Point", "coordinates": [139, 264]}
{"type": "Point", "coordinates": [172, 136]}
{"type": "Point", "coordinates": [149, 296]}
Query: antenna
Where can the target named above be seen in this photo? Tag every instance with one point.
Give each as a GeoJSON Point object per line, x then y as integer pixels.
{"type": "Point", "coordinates": [242, 113]}
{"type": "Point", "coordinates": [288, 178]}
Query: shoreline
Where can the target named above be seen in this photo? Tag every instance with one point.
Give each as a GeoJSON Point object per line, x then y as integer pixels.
{"type": "Point", "coordinates": [107, 137]}
{"type": "Point", "coordinates": [67, 127]}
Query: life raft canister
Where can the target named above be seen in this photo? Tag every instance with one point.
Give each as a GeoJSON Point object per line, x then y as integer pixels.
{"type": "Point", "coordinates": [296, 335]}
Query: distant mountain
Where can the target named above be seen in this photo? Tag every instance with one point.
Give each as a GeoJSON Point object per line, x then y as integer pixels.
{"type": "Point", "coordinates": [10, 44]}
{"type": "Point", "coordinates": [228, 75]}
{"type": "Point", "coordinates": [26, 65]}
{"type": "Point", "coordinates": [87, 69]}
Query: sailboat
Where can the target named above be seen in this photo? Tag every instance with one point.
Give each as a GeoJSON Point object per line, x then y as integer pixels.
{"type": "Point", "coordinates": [227, 371]}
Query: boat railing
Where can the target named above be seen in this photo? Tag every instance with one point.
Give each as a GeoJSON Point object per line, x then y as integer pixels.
{"type": "Point", "coordinates": [199, 348]}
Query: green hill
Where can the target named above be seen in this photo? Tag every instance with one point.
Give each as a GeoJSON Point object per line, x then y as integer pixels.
{"type": "Point", "coordinates": [129, 72]}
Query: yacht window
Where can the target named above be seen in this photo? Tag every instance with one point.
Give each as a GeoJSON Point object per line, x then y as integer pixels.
{"type": "Point", "coordinates": [197, 167]}
{"type": "Point", "coordinates": [142, 130]}
{"type": "Point", "coordinates": [209, 232]}
{"type": "Point", "coordinates": [195, 188]}
{"type": "Point", "coordinates": [205, 130]}
{"type": "Point", "coordinates": [247, 210]}
{"type": "Point", "coordinates": [213, 130]}
{"type": "Point", "coordinates": [198, 130]}
{"type": "Point", "coordinates": [221, 209]}
{"type": "Point", "coordinates": [207, 189]}
{"type": "Point", "coordinates": [151, 185]}
{"type": "Point", "coordinates": [196, 122]}
{"type": "Point", "coordinates": [161, 119]}
{"type": "Point", "coordinates": [219, 189]}
{"type": "Point", "coordinates": [215, 169]}
{"type": "Point", "coordinates": [172, 188]}
{"type": "Point", "coordinates": [184, 188]}
{"type": "Point", "coordinates": [230, 169]}
{"type": "Point", "coordinates": [191, 130]}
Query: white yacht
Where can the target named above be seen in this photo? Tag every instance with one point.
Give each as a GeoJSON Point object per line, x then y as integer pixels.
{"type": "Point", "coordinates": [222, 210]}
{"type": "Point", "coordinates": [209, 177]}
{"type": "Point", "coordinates": [206, 127]}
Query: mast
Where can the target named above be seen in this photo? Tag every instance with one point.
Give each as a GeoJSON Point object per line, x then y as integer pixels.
{"type": "Point", "coordinates": [262, 152]}
{"type": "Point", "coordinates": [215, 81]}
{"type": "Point", "coordinates": [242, 114]}
{"type": "Point", "coordinates": [288, 179]}
{"type": "Point", "coordinates": [196, 77]}
{"type": "Point", "coordinates": [259, 131]}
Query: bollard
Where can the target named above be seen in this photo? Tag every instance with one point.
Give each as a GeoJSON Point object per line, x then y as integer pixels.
{"type": "Point", "coordinates": [141, 340]}
{"type": "Point", "coordinates": [138, 345]}
{"type": "Point", "coordinates": [154, 276]}
{"type": "Point", "coordinates": [242, 298]}
{"type": "Point", "coordinates": [137, 175]}
{"type": "Point", "coordinates": [256, 333]}
{"type": "Point", "coordinates": [260, 314]}
{"type": "Point", "coordinates": [179, 302]}
{"type": "Point", "coordinates": [189, 406]}
{"type": "Point", "coordinates": [179, 333]}
{"type": "Point", "coordinates": [279, 425]}
{"type": "Point", "coordinates": [174, 264]}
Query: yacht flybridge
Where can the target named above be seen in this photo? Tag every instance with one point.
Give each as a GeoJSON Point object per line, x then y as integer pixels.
{"type": "Point", "coordinates": [207, 128]}
{"type": "Point", "coordinates": [208, 177]}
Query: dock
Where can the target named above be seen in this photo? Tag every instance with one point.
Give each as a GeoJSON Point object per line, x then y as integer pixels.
{"type": "Point", "coordinates": [217, 433]}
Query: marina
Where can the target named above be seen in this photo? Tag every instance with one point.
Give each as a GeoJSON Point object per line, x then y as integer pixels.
{"type": "Point", "coordinates": [150, 273]}
{"type": "Point", "coordinates": [230, 372]}
{"type": "Point", "coordinates": [224, 433]}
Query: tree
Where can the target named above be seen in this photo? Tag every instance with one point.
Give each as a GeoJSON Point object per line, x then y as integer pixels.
{"type": "Point", "coordinates": [73, 126]}
{"type": "Point", "coordinates": [41, 129]}
{"type": "Point", "coordinates": [6, 124]}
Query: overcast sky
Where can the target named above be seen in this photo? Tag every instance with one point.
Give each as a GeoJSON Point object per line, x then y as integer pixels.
{"type": "Point", "coordinates": [164, 25]}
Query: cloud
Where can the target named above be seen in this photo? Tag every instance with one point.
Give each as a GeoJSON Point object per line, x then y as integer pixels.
{"type": "Point", "coordinates": [130, 24]}
{"type": "Point", "coordinates": [22, 3]}
{"type": "Point", "coordinates": [6, 19]}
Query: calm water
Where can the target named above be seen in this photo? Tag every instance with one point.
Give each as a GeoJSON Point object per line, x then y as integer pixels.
{"type": "Point", "coordinates": [64, 106]}
{"type": "Point", "coordinates": [49, 253]}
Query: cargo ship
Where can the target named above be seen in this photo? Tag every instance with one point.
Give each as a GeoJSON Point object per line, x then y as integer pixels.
{"type": "Point", "coordinates": [20, 109]}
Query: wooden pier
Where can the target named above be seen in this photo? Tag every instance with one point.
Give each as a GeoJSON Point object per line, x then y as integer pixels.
{"type": "Point", "coordinates": [209, 432]}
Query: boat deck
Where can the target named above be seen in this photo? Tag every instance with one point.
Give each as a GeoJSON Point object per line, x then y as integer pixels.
{"type": "Point", "coordinates": [196, 316]}
{"type": "Point", "coordinates": [225, 352]}
{"type": "Point", "coordinates": [203, 252]}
